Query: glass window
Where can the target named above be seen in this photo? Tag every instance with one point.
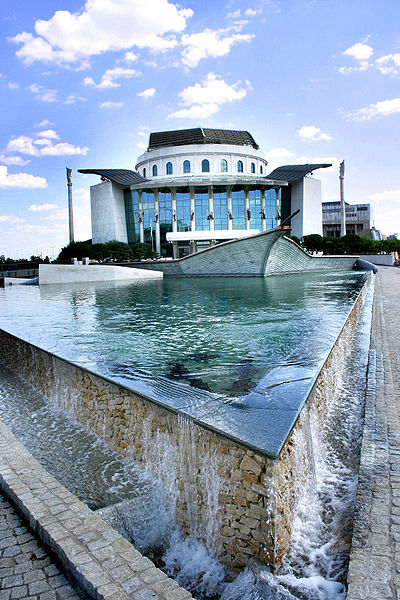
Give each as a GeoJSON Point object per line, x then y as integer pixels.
{"type": "Point", "coordinates": [186, 166]}
{"type": "Point", "coordinates": [201, 208]}
{"type": "Point", "coordinates": [261, 169]}
{"type": "Point", "coordinates": [224, 166]}
{"type": "Point", "coordinates": [239, 166]}
{"type": "Point", "coordinates": [238, 209]}
{"type": "Point", "coordinates": [253, 168]}
{"type": "Point", "coordinates": [270, 208]}
{"type": "Point", "coordinates": [155, 170]}
{"type": "Point", "coordinates": [255, 209]}
{"type": "Point", "coordinates": [164, 200]}
{"type": "Point", "coordinates": [144, 173]}
{"type": "Point", "coordinates": [169, 168]}
{"type": "Point", "coordinates": [131, 199]}
{"type": "Point", "coordinates": [183, 209]}
{"type": "Point", "coordinates": [220, 209]}
{"type": "Point", "coordinates": [148, 217]}
{"type": "Point", "coordinates": [205, 166]}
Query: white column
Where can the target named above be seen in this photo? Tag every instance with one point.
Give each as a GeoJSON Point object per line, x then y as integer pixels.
{"type": "Point", "coordinates": [263, 211]}
{"type": "Point", "coordinates": [211, 207]}
{"type": "Point", "coordinates": [141, 224]}
{"type": "Point", "coordinates": [247, 207]}
{"type": "Point", "coordinates": [342, 202]}
{"type": "Point", "coordinates": [229, 207]}
{"type": "Point", "coordinates": [157, 221]}
{"type": "Point", "coordinates": [277, 207]}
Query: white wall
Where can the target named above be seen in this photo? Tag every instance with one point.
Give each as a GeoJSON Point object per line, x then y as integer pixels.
{"type": "Point", "coordinates": [108, 213]}
{"type": "Point", "coordinates": [306, 196]}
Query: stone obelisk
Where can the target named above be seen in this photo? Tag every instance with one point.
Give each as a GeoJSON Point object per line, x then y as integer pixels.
{"type": "Point", "coordinates": [342, 204]}
{"type": "Point", "coordinates": [70, 206]}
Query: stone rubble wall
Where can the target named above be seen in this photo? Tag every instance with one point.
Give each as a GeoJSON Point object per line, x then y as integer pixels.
{"type": "Point", "coordinates": [240, 503]}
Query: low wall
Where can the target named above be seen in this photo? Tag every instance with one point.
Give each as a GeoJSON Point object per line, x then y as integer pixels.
{"type": "Point", "coordinates": [379, 259]}
{"type": "Point", "coordinates": [56, 274]}
{"type": "Point", "coordinates": [238, 501]}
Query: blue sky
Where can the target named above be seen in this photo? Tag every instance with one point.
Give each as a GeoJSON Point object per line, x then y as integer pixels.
{"type": "Point", "coordinates": [83, 84]}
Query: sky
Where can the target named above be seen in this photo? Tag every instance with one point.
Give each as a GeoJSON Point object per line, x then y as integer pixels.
{"type": "Point", "coordinates": [82, 84]}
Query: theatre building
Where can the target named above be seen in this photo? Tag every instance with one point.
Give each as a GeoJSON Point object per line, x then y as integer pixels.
{"type": "Point", "coordinates": [196, 187]}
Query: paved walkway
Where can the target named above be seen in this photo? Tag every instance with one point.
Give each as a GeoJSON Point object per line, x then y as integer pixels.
{"type": "Point", "coordinates": [374, 572]}
{"type": "Point", "coordinates": [26, 570]}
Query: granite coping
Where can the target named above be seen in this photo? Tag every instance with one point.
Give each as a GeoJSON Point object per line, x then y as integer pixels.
{"type": "Point", "coordinates": [104, 564]}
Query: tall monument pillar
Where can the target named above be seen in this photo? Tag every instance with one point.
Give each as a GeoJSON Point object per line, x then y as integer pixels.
{"type": "Point", "coordinates": [342, 204]}
{"type": "Point", "coordinates": [70, 206]}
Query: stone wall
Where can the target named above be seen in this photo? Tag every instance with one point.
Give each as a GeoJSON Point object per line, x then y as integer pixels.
{"type": "Point", "coordinates": [240, 503]}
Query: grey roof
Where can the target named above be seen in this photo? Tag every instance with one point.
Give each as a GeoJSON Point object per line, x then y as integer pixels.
{"type": "Point", "coordinates": [200, 135]}
{"type": "Point", "coordinates": [122, 177]}
{"type": "Point", "coordinates": [293, 173]}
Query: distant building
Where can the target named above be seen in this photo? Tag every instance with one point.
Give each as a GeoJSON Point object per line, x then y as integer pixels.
{"type": "Point", "coordinates": [358, 220]}
{"type": "Point", "coordinates": [196, 187]}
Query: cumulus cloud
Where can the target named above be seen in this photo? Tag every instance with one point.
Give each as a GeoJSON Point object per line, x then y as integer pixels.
{"type": "Point", "coordinates": [389, 64]}
{"type": "Point", "coordinates": [113, 26]}
{"type": "Point", "coordinates": [279, 153]}
{"type": "Point", "coordinates": [74, 98]}
{"type": "Point", "coordinates": [379, 109]}
{"type": "Point", "coordinates": [42, 207]}
{"type": "Point", "coordinates": [20, 180]}
{"type": "Point", "coordinates": [359, 51]}
{"type": "Point", "coordinates": [385, 196]}
{"type": "Point", "coordinates": [146, 94]}
{"type": "Point", "coordinates": [204, 99]}
{"type": "Point", "coordinates": [13, 160]}
{"type": "Point", "coordinates": [130, 57]}
{"type": "Point", "coordinates": [314, 134]}
{"type": "Point", "coordinates": [44, 123]}
{"type": "Point", "coordinates": [43, 94]}
{"type": "Point", "coordinates": [109, 78]}
{"type": "Point", "coordinates": [11, 219]}
{"type": "Point", "coordinates": [210, 43]}
{"type": "Point", "coordinates": [108, 104]}
{"type": "Point", "coordinates": [43, 144]}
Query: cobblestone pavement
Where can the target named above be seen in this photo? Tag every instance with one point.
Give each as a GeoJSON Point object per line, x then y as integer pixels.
{"type": "Point", "coordinates": [26, 570]}
{"type": "Point", "coordinates": [374, 572]}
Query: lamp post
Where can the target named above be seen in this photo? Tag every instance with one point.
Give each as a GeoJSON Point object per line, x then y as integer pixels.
{"type": "Point", "coordinates": [70, 206]}
{"type": "Point", "coordinates": [342, 204]}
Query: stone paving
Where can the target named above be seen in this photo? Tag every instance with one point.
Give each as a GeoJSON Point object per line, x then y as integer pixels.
{"type": "Point", "coordinates": [27, 572]}
{"type": "Point", "coordinates": [374, 571]}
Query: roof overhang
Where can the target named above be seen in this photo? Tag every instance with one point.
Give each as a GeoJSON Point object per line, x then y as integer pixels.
{"type": "Point", "coordinates": [208, 179]}
{"type": "Point", "coordinates": [203, 236]}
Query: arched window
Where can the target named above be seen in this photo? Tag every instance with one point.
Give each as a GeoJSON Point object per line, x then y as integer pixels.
{"type": "Point", "coordinates": [253, 168]}
{"type": "Point", "coordinates": [186, 166]}
{"type": "Point", "coordinates": [169, 168]}
{"type": "Point", "coordinates": [155, 170]}
{"type": "Point", "coordinates": [240, 166]}
{"type": "Point", "coordinates": [224, 166]}
{"type": "Point", "coordinates": [205, 166]}
{"type": "Point", "coordinates": [261, 169]}
{"type": "Point", "coordinates": [144, 173]}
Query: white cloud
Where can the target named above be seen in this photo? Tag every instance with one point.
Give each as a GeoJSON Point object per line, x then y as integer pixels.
{"type": "Point", "coordinates": [44, 123]}
{"type": "Point", "coordinates": [82, 218]}
{"type": "Point", "coordinates": [389, 64]}
{"type": "Point", "coordinates": [146, 94]}
{"type": "Point", "coordinates": [42, 207]}
{"type": "Point", "coordinates": [13, 86]}
{"type": "Point", "coordinates": [311, 133]}
{"type": "Point", "coordinates": [42, 93]}
{"type": "Point", "coordinates": [279, 153]}
{"type": "Point", "coordinates": [251, 12]}
{"type": "Point", "coordinates": [130, 57]}
{"type": "Point", "coordinates": [385, 196]}
{"type": "Point", "coordinates": [142, 146]}
{"type": "Point", "coordinates": [383, 108]}
{"type": "Point", "coordinates": [109, 104]}
{"type": "Point", "coordinates": [103, 26]}
{"type": "Point", "coordinates": [20, 180]}
{"type": "Point", "coordinates": [43, 145]}
{"type": "Point", "coordinates": [11, 219]}
{"type": "Point", "coordinates": [13, 160]}
{"type": "Point", "coordinates": [108, 79]}
{"type": "Point", "coordinates": [210, 43]}
{"type": "Point", "coordinates": [74, 98]}
{"type": "Point", "coordinates": [359, 51]}
{"type": "Point", "coordinates": [204, 99]}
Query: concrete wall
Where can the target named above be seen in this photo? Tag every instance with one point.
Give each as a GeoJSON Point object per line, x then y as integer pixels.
{"type": "Point", "coordinates": [379, 259]}
{"type": "Point", "coordinates": [306, 197]}
{"type": "Point", "coordinates": [238, 501]}
{"type": "Point", "coordinates": [108, 213]}
{"type": "Point", "coordinates": [56, 274]}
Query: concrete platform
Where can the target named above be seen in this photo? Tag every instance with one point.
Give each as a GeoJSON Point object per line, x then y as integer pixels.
{"type": "Point", "coordinates": [58, 274]}
{"type": "Point", "coordinates": [374, 571]}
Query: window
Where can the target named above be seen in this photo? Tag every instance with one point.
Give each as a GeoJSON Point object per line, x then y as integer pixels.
{"type": "Point", "coordinates": [224, 166]}
{"type": "Point", "coordinates": [144, 173]}
{"type": "Point", "coordinates": [186, 166]}
{"type": "Point", "coordinates": [205, 166]}
{"type": "Point", "coordinates": [169, 168]}
{"type": "Point", "coordinates": [155, 170]}
{"type": "Point", "coordinates": [239, 166]}
{"type": "Point", "coordinates": [253, 168]}
{"type": "Point", "coordinates": [261, 169]}
{"type": "Point", "coordinates": [201, 208]}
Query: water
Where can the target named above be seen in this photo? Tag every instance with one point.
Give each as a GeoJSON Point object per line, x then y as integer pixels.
{"type": "Point", "coordinates": [217, 334]}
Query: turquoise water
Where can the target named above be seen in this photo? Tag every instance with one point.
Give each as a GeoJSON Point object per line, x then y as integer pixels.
{"type": "Point", "coordinates": [223, 335]}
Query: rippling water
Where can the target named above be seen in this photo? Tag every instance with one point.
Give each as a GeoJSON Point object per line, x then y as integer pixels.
{"type": "Point", "coordinates": [219, 334]}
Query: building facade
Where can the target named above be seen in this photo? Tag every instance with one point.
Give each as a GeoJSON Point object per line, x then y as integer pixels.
{"type": "Point", "coordinates": [359, 219]}
{"type": "Point", "coordinates": [196, 187]}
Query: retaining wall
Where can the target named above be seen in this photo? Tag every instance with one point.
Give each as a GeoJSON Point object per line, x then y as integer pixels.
{"type": "Point", "coordinates": [238, 501]}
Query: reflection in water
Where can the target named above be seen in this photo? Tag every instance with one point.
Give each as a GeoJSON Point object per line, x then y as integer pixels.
{"type": "Point", "coordinates": [217, 334]}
